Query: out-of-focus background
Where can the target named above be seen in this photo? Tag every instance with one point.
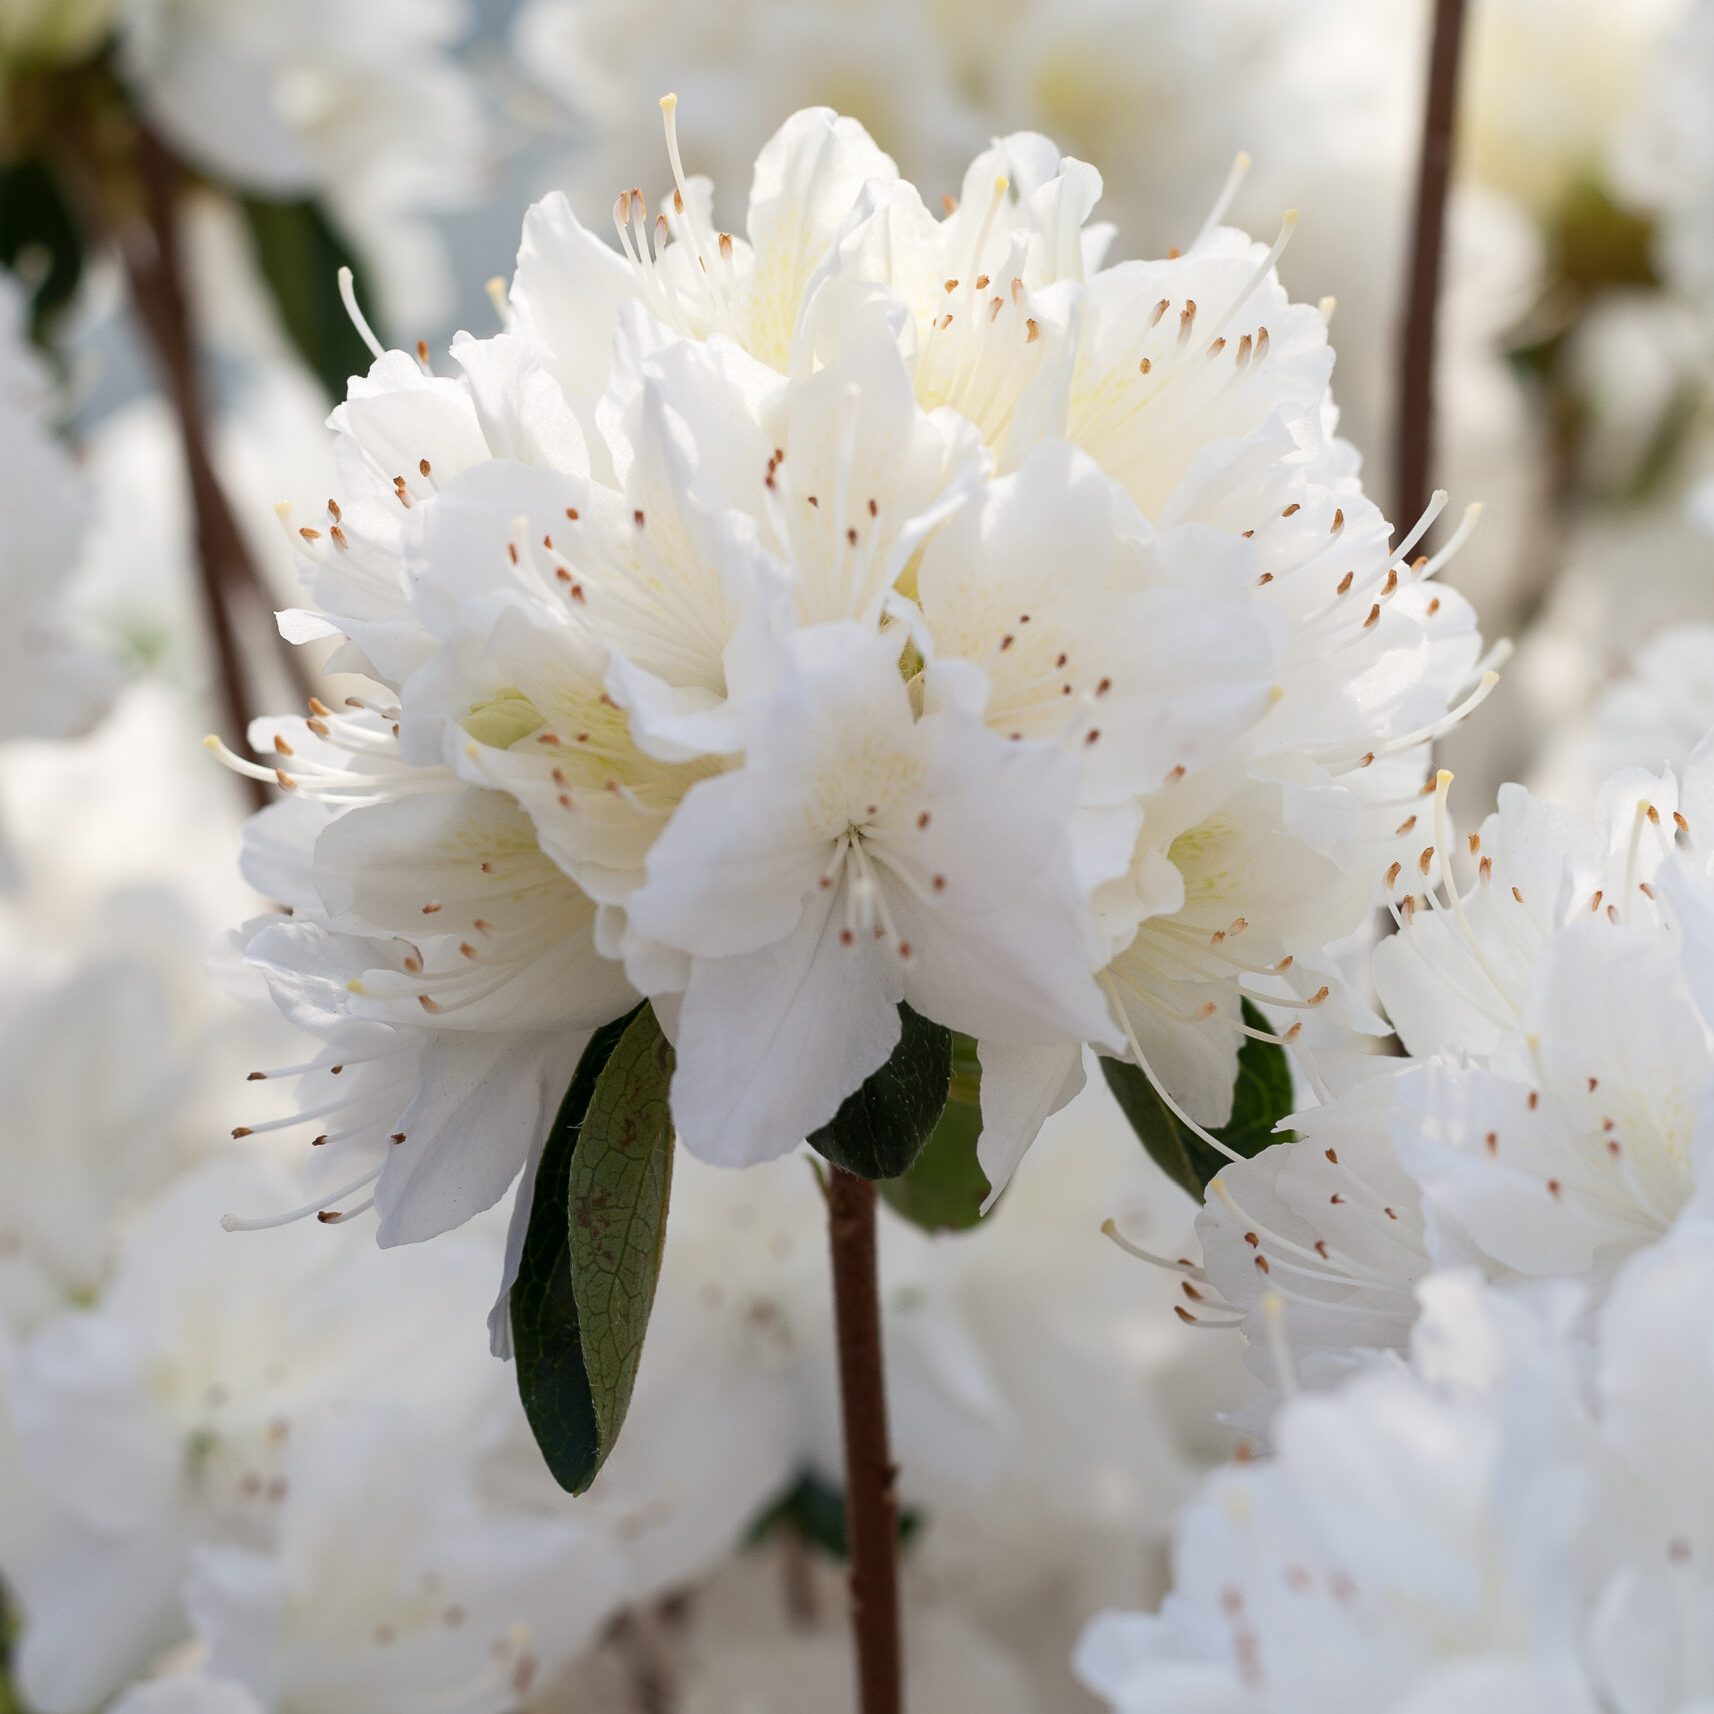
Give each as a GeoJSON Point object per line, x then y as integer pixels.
{"type": "Point", "coordinates": [1046, 1436]}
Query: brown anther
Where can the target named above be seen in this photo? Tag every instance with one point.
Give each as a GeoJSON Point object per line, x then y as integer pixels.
{"type": "Point", "coordinates": [1404, 826]}
{"type": "Point", "coordinates": [1679, 822]}
{"type": "Point", "coordinates": [952, 285]}
{"type": "Point", "coordinates": [939, 883]}
{"type": "Point", "coordinates": [1332, 1156]}
{"type": "Point", "coordinates": [1534, 1100]}
{"type": "Point", "coordinates": [308, 534]}
{"type": "Point", "coordinates": [1032, 332]}
{"type": "Point", "coordinates": [851, 536]}
{"type": "Point", "coordinates": [1374, 616]}
{"type": "Point", "coordinates": [1144, 367]}
{"type": "Point", "coordinates": [1338, 520]}
{"type": "Point", "coordinates": [1485, 869]}
{"type": "Point", "coordinates": [1292, 510]}
{"type": "Point", "coordinates": [572, 514]}
{"type": "Point", "coordinates": [333, 510]}
{"type": "Point", "coordinates": [422, 351]}
{"type": "Point", "coordinates": [424, 466]}
{"type": "Point", "coordinates": [339, 540]}
{"type": "Point", "coordinates": [981, 282]}
{"type": "Point", "coordinates": [328, 1216]}
{"type": "Point", "coordinates": [846, 937]}
{"type": "Point", "coordinates": [923, 820]}
{"type": "Point", "coordinates": [1345, 583]}
{"type": "Point", "coordinates": [637, 517]}
{"type": "Point", "coordinates": [904, 949]}
{"type": "Point", "coordinates": [1425, 860]}
{"type": "Point", "coordinates": [1434, 607]}
{"type": "Point", "coordinates": [241, 1130]}
{"type": "Point", "coordinates": [1217, 347]}
{"type": "Point", "coordinates": [1492, 1142]}
{"type": "Point", "coordinates": [1553, 1188]}
{"type": "Point", "coordinates": [1517, 895]}
{"type": "Point", "coordinates": [428, 1002]}
{"type": "Point", "coordinates": [1160, 309]}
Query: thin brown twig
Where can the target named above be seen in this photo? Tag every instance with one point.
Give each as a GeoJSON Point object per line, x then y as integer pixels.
{"type": "Point", "coordinates": [1415, 437]}
{"type": "Point", "coordinates": [231, 582]}
{"type": "Point", "coordinates": [871, 1495]}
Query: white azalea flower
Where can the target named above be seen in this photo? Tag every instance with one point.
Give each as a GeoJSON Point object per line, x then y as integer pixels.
{"type": "Point", "coordinates": [860, 858]}
{"type": "Point", "coordinates": [442, 1603]}
{"type": "Point", "coordinates": [811, 593]}
{"type": "Point", "coordinates": [1649, 1636]}
{"type": "Point", "coordinates": [1657, 712]}
{"type": "Point", "coordinates": [1520, 1517]}
{"type": "Point", "coordinates": [1551, 1121]}
{"type": "Point", "coordinates": [53, 685]}
{"type": "Point", "coordinates": [1411, 1545]}
{"type": "Point", "coordinates": [187, 1693]}
{"type": "Point", "coordinates": [371, 112]}
{"type": "Point", "coordinates": [162, 1417]}
{"type": "Point", "coordinates": [93, 1071]}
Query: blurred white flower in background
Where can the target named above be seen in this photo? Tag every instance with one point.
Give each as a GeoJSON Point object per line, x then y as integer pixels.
{"type": "Point", "coordinates": [1487, 1529]}
{"type": "Point", "coordinates": [52, 684]}
{"type": "Point", "coordinates": [369, 109]}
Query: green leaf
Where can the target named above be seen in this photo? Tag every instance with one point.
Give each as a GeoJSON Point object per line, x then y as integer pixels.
{"type": "Point", "coordinates": [552, 1380]}
{"type": "Point", "coordinates": [299, 254]}
{"type": "Point", "coordinates": [881, 1127]}
{"type": "Point", "coordinates": [1261, 1097]}
{"type": "Point", "coordinates": [945, 1185]}
{"type": "Point", "coordinates": [815, 1508]}
{"type": "Point", "coordinates": [621, 1180]}
{"type": "Point", "coordinates": [40, 240]}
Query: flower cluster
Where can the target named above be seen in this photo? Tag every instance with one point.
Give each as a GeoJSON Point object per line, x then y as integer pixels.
{"type": "Point", "coordinates": [885, 607]}
{"type": "Point", "coordinates": [1548, 1122]}
{"type": "Point", "coordinates": [1518, 1519]}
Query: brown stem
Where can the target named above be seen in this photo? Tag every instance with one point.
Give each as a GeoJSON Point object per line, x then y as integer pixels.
{"type": "Point", "coordinates": [231, 583]}
{"type": "Point", "coordinates": [1415, 440]}
{"type": "Point", "coordinates": [871, 1499]}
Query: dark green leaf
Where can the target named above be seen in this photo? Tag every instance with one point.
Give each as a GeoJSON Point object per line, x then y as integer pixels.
{"type": "Point", "coordinates": [39, 239]}
{"type": "Point", "coordinates": [1261, 1097]}
{"type": "Point", "coordinates": [815, 1508]}
{"type": "Point", "coordinates": [945, 1186]}
{"type": "Point", "coordinates": [299, 254]}
{"type": "Point", "coordinates": [552, 1381]}
{"type": "Point", "coordinates": [621, 1179]}
{"type": "Point", "coordinates": [881, 1127]}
